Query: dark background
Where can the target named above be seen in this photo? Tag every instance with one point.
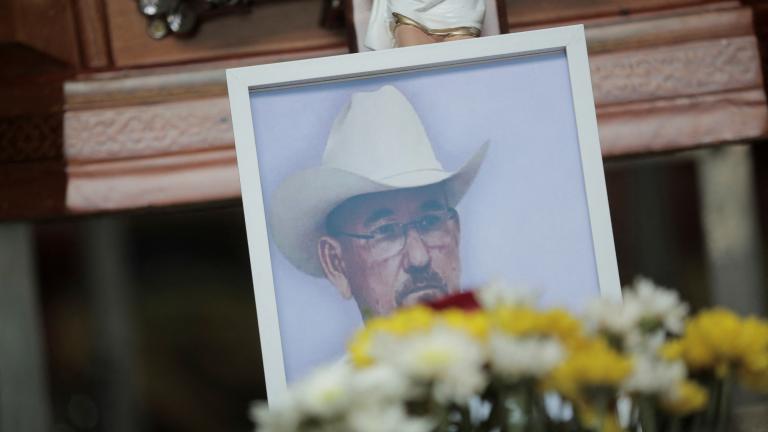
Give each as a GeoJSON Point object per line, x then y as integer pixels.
{"type": "Point", "coordinates": [184, 349]}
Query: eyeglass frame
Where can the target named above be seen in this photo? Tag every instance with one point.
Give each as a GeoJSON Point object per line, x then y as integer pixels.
{"type": "Point", "coordinates": [403, 227]}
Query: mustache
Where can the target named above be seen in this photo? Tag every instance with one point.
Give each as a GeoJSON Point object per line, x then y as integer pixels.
{"type": "Point", "coordinates": [419, 281]}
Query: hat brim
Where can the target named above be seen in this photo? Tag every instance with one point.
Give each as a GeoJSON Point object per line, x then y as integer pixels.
{"type": "Point", "coordinates": [302, 202]}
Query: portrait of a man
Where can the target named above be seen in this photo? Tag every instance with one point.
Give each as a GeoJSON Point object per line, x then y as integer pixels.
{"type": "Point", "coordinates": [377, 218]}
{"type": "Point", "coordinates": [388, 190]}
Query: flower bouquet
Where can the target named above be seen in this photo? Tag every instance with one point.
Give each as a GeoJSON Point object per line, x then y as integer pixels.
{"type": "Point", "coordinates": [492, 361]}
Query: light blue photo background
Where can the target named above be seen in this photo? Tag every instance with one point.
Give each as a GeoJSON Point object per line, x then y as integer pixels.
{"type": "Point", "coordinates": [524, 220]}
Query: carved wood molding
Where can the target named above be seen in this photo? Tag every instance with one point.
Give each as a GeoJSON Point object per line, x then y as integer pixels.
{"type": "Point", "coordinates": [686, 69]}
{"type": "Point", "coordinates": [719, 20]}
{"type": "Point", "coordinates": [131, 132]}
{"type": "Point", "coordinates": [159, 181]}
{"type": "Point", "coordinates": [682, 123]}
{"type": "Point", "coordinates": [211, 175]}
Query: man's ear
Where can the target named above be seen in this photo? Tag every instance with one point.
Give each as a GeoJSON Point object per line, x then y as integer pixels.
{"type": "Point", "coordinates": [329, 252]}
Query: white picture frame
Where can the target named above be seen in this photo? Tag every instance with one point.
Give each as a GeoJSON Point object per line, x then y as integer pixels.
{"type": "Point", "coordinates": [247, 82]}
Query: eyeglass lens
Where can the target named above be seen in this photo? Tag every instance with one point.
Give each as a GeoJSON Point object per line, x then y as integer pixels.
{"type": "Point", "coordinates": [389, 239]}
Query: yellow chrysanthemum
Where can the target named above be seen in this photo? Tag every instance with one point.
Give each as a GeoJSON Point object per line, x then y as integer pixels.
{"type": "Point", "coordinates": [720, 341]}
{"type": "Point", "coordinates": [672, 350]}
{"type": "Point", "coordinates": [517, 321]}
{"type": "Point", "coordinates": [524, 321]}
{"type": "Point", "coordinates": [562, 325]}
{"type": "Point", "coordinates": [709, 340]}
{"type": "Point", "coordinates": [753, 372]}
{"type": "Point", "coordinates": [401, 323]}
{"type": "Point", "coordinates": [474, 323]}
{"type": "Point", "coordinates": [359, 348]}
{"type": "Point", "coordinates": [593, 365]}
{"type": "Point", "coordinates": [753, 345]}
{"type": "Point", "coordinates": [404, 321]}
{"type": "Point", "coordinates": [687, 398]}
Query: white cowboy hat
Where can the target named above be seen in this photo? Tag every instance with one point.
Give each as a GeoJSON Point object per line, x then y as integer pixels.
{"type": "Point", "coordinates": [376, 144]}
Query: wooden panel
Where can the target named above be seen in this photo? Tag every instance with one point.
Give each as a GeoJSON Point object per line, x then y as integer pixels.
{"type": "Point", "coordinates": [760, 8]}
{"type": "Point", "coordinates": [21, 63]}
{"type": "Point", "coordinates": [30, 82]}
{"type": "Point", "coordinates": [92, 27]}
{"type": "Point", "coordinates": [160, 181]}
{"type": "Point", "coordinates": [6, 22]}
{"type": "Point", "coordinates": [32, 190]}
{"type": "Point", "coordinates": [280, 26]}
{"type": "Point", "coordinates": [166, 84]}
{"type": "Point", "coordinates": [48, 26]}
{"type": "Point", "coordinates": [529, 12]}
{"type": "Point", "coordinates": [31, 138]}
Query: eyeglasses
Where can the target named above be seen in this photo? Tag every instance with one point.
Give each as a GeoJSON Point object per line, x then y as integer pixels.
{"type": "Point", "coordinates": [388, 239]}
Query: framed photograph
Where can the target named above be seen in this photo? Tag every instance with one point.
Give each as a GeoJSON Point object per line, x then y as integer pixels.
{"type": "Point", "coordinates": [381, 179]}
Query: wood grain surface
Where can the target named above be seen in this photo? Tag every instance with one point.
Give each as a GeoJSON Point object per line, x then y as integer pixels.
{"type": "Point", "coordinates": [525, 13]}
{"type": "Point", "coordinates": [93, 33]}
{"type": "Point", "coordinates": [6, 22]}
{"type": "Point", "coordinates": [47, 26]}
{"type": "Point", "coordinates": [274, 27]}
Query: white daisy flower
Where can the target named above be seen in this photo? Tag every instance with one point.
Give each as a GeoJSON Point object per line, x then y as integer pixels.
{"type": "Point", "coordinates": [446, 358]}
{"type": "Point", "coordinates": [281, 416]}
{"type": "Point", "coordinates": [610, 316]}
{"type": "Point", "coordinates": [387, 418]}
{"type": "Point", "coordinates": [514, 357]}
{"type": "Point", "coordinates": [651, 375]}
{"type": "Point", "coordinates": [641, 320]}
{"type": "Point", "coordinates": [379, 383]}
{"type": "Point", "coordinates": [498, 293]}
{"type": "Point", "coordinates": [326, 392]}
{"type": "Point", "coordinates": [657, 303]}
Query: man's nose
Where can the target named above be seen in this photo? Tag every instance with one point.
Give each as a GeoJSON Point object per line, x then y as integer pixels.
{"type": "Point", "coordinates": [416, 252]}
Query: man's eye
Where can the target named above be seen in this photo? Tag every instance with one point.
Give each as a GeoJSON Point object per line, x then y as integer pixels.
{"type": "Point", "coordinates": [386, 230]}
{"type": "Point", "coordinates": [429, 222]}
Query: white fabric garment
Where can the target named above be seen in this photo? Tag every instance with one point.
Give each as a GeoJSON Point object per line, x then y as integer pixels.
{"type": "Point", "coordinates": [433, 14]}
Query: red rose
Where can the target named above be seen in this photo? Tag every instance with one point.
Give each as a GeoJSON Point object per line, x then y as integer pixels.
{"type": "Point", "coordinates": [464, 300]}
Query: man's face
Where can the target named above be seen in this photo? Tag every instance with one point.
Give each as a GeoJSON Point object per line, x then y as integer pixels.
{"type": "Point", "coordinates": [397, 248]}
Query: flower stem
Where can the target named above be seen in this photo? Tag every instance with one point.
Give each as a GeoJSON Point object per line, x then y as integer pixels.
{"type": "Point", "coordinates": [647, 414]}
{"type": "Point", "coordinates": [497, 418]}
{"type": "Point", "coordinates": [724, 404]}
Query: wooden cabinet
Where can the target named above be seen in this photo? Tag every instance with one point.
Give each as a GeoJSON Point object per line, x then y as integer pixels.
{"type": "Point", "coordinates": [97, 116]}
